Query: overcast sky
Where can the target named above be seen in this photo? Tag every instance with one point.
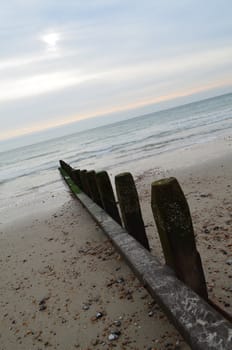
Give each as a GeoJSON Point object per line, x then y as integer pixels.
{"type": "Point", "coordinates": [66, 60]}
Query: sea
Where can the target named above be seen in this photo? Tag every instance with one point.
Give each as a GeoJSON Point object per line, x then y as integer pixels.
{"type": "Point", "coordinates": [33, 169]}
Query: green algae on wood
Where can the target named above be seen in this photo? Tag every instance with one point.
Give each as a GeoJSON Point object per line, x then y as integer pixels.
{"type": "Point", "coordinates": [107, 195]}
{"type": "Point", "coordinates": [66, 167]}
{"type": "Point", "coordinates": [74, 188]}
{"type": "Point", "coordinates": [174, 224]}
{"type": "Point", "coordinates": [130, 208]}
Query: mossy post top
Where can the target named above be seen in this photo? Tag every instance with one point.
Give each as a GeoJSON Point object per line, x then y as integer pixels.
{"type": "Point", "coordinates": [174, 223]}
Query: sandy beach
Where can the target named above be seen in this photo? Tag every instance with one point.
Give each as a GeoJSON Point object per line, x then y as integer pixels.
{"type": "Point", "coordinates": [63, 285]}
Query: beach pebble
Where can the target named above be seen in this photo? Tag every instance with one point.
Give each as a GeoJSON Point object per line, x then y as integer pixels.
{"type": "Point", "coordinates": [114, 335]}
{"type": "Point", "coordinates": [223, 251]}
{"type": "Point", "coordinates": [85, 307]}
{"type": "Point", "coordinates": [120, 280]}
{"type": "Point", "coordinates": [99, 315]}
{"type": "Point", "coordinates": [42, 307]}
{"type": "Point", "coordinates": [117, 323]}
{"type": "Point", "coordinates": [43, 300]}
{"type": "Point", "coordinates": [229, 261]}
{"type": "Point", "coordinates": [227, 304]}
{"type": "Point", "coordinates": [203, 195]}
{"type": "Point", "coordinates": [95, 342]}
{"type": "Point", "coordinates": [42, 303]}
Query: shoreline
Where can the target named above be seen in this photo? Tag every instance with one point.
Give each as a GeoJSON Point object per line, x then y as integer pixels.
{"type": "Point", "coordinates": [181, 158]}
{"type": "Point", "coordinates": [53, 251]}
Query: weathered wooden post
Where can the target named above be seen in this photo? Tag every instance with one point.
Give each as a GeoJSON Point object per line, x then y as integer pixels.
{"type": "Point", "coordinates": [66, 167]}
{"type": "Point", "coordinates": [84, 182]}
{"type": "Point", "coordinates": [62, 164]}
{"type": "Point", "coordinates": [76, 177]}
{"type": "Point", "coordinates": [89, 184]}
{"type": "Point", "coordinates": [95, 195]}
{"type": "Point", "coordinates": [130, 208]}
{"type": "Point", "coordinates": [107, 195]}
{"type": "Point", "coordinates": [174, 224]}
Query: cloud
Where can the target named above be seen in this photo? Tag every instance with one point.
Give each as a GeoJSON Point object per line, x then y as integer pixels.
{"type": "Point", "coordinates": [139, 73]}
{"type": "Point", "coordinates": [41, 84]}
{"type": "Point", "coordinates": [110, 54]}
{"type": "Point", "coordinates": [13, 63]}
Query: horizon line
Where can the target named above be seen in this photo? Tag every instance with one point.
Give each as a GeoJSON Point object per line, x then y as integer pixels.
{"type": "Point", "coordinates": [161, 99]}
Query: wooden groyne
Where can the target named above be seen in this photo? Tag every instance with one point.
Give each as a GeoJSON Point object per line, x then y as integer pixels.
{"type": "Point", "coordinates": [179, 286]}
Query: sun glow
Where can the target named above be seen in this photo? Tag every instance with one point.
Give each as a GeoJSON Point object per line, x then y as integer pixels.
{"type": "Point", "coordinates": [51, 40]}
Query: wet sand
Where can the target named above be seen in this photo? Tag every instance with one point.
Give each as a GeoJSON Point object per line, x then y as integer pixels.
{"type": "Point", "coordinates": [63, 286]}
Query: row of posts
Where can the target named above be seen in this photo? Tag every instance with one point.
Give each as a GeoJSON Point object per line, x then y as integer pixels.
{"type": "Point", "coordinates": [171, 214]}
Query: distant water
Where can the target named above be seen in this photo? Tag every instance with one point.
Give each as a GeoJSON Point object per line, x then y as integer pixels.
{"type": "Point", "coordinates": [34, 168]}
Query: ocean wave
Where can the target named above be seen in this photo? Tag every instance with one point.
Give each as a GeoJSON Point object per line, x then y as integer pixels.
{"type": "Point", "coordinates": [135, 139]}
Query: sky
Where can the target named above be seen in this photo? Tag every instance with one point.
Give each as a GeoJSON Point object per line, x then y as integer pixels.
{"type": "Point", "coordinates": [62, 61]}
